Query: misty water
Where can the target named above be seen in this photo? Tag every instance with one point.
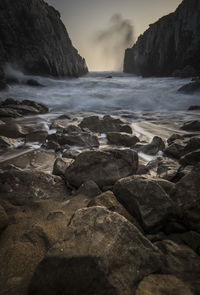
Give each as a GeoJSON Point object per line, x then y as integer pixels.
{"type": "Point", "coordinates": [95, 93]}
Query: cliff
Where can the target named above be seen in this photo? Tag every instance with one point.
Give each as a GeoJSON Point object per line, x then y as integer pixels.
{"type": "Point", "coordinates": [33, 37]}
{"type": "Point", "coordinates": [170, 46]}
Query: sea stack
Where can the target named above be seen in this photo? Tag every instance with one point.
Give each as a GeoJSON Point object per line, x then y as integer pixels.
{"type": "Point", "coordinates": [170, 47]}
{"type": "Point", "coordinates": [34, 39]}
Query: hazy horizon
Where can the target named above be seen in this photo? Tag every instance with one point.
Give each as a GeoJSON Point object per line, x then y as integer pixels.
{"type": "Point", "coordinates": [101, 31]}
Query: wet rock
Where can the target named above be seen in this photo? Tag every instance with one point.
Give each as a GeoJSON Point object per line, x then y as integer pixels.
{"type": "Point", "coordinates": [9, 113]}
{"type": "Point", "coordinates": [144, 198]}
{"type": "Point", "coordinates": [104, 125]}
{"type": "Point", "coordinates": [158, 284]}
{"type": "Point", "coordinates": [12, 130]}
{"type": "Point", "coordinates": [191, 126]}
{"type": "Point", "coordinates": [174, 137]}
{"type": "Point", "coordinates": [20, 186]}
{"type": "Point", "coordinates": [191, 158]}
{"type": "Point", "coordinates": [122, 139]}
{"type": "Point", "coordinates": [154, 147]}
{"type": "Point", "coordinates": [194, 108]}
{"type": "Point", "coordinates": [176, 149]}
{"type": "Point", "coordinates": [126, 129]}
{"type": "Point", "coordinates": [52, 145]}
{"type": "Point", "coordinates": [55, 215]}
{"type": "Point", "coordinates": [168, 169]}
{"type": "Point", "coordinates": [32, 82]}
{"type": "Point", "coordinates": [90, 255]}
{"type": "Point", "coordinates": [82, 139]}
{"type": "Point", "coordinates": [108, 200]}
{"type": "Point", "coordinates": [16, 108]}
{"type": "Point", "coordinates": [37, 136]}
{"type": "Point", "coordinates": [186, 72]}
{"type": "Point", "coordinates": [181, 261]}
{"type": "Point", "coordinates": [2, 80]}
{"type": "Point", "coordinates": [89, 189]}
{"type": "Point", "coordinates": [3, 219]}
{"type": "Point", "coordinates": [60, 167]}
{"type": "Point", "coordinates": [8, 142]}
{"type": "Point", "coordinates": [190, 87]}
{"type": "Point", "coordinates": [71, 129]}
{"type": "Point", "coordinates": [71, 153]}
{"type": "Point", "coordinates": [103, 167]}
{"type": "Point", "coordinates": [191, 239]}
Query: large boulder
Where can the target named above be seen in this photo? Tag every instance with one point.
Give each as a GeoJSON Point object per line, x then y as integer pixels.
{"type": "Point", "coordinates": [103, 167]}
{"type": "Point", "coordinates": [38, 45]}
{"type": "Point", "coordinates": [102, 253]}
{"type": "Point", "coordinates": [122, 139]}
{"type": "Point", "coordinates": [145, 198]}
{"type": "Point", "coordinates": [156, 145]}
{"type": "Point", "coordinates": [191, 126]}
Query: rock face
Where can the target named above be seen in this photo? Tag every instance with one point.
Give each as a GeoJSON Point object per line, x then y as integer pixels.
{"type": "Point", "coordinates": [170, 44]}
{"type": "Point", "coordinates": [33, 38]}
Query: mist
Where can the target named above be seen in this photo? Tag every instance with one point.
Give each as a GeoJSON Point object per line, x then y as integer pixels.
{"type": "Point", "coordinates": [110, 43]}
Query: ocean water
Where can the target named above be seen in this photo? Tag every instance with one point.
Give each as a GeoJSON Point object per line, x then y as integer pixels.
{"type": "Point", "coordinates": [96, 93]}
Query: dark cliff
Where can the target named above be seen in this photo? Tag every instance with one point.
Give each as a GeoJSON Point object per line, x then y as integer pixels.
{"type": "Point", "coordinates": [170, 46]}
{"type": "Point", "coordinates": [33, 37]}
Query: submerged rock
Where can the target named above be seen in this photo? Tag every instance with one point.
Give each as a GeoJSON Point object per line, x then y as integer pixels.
{"type": "Point", "coordinates": [191, 126]}
{"type": "Point", "coordinates": [103, 167]}
{"type": "Point", "coordinates": [154, 147]}
{"type": "Point", "coordinates": [38, 45]}
{"type": "Point", "coordinates": [102, 253]}
{"type": "Point", "coordinates": [190, 87]}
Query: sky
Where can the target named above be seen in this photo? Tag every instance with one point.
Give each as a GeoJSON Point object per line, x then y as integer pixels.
{"type": "Point", "coordinates": [102, 29]}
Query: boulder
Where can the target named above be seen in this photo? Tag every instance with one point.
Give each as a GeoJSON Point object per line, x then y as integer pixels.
{"type": "Point", "coordinates": [191, 158]}
{"type": "Point", "coordinates": [71, 129]}
{"type": "Point", "coordinates": [154, 147]}
{"type": "Point", "coordinates": [108, 200]}
{"type": "Point", "coordinates": [158, 284]}
{"type": "Point", "coordinates": [194, 108]}
{"type": "Point", "coordinates": [19, 187]}
{"type": "Point", "coordinates": [83, 139]}
{"type": "Point", "coordinates": [176, 149]}
{"type": "Point", "coordinates": [103, 167]}
{"type": "Point", "coordinates": [3, 219]}
{"type": "Point", "coordinates": [122, 139]}
{"type": "Point", "coordinates": [37, 136]}
{"type": "Point", "coordinates": [8, 142]}
{"type": "Point", "coordinates": [190, 87]}
{"type": "Point", "coordinates": [89, 189]}
{"type": "Point", "coordinates": [101, 251]}
{"type": "Point", "coordinates": [104, 125]}
{"type": "Point", "coordinates": [168, 169]}
{"type": "Point", "coordinates": [60, 166]}
{"type": "Point", "coordinates": [34, 83]}
{"type": "Point", "coordinates": [191, 126]}
{"type": "Point", "coordinates": [144, 198]}
{"type": "Point", "coordinates": [71, 153]}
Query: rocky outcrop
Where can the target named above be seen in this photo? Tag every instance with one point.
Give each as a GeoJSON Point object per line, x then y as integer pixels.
{"type": "Point", "coordinates": [170, 46]}
{"type": "Point", "coordinates": [34, 39]}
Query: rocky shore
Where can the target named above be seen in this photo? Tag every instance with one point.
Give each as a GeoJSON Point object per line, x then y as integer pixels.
{"type": "Point", "coordinates": [98, 204]}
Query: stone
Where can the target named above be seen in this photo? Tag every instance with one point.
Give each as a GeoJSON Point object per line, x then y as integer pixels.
{"type": "Point", "coordinates": [158, 284]}
{"type": "Point", "coordinates": [176, 149]}
{"type": "Point", "coordinates": [174, 137]}
{"type": "Point", "coordinates": [71, 129]}
{"type": "Point", "coordinates": [71, 153]}
{"type": "Point", "coordinates": [191, 126]}
{"type": "Point", "coordinates": [154, 147]}
{"type": "Point", "coordinates": [191, 239]}
{"type": "Point", "coordinates": [32, 82]}
{"type": "Point", "coordinates": [12, 130]}
{"type": "Point", "coordinates": [144, 198]}
{"type": "Point", "coordinates": [103, 167]}
{"type": "Point", "coordinates": [168, 169]}
{"type": "Point", "coordinates": [108, 200]}
{"type": "Point", "coordinates": [8, 142]}
{"type": "Point", "coordinates": [83, 139]}
{"type": "Point", "coordinates": [101, 251]}
{"type": "Point", "coordinates": [52, 145]}
{"type": "Point", "coordinates": [190, 87]}
{"type": "Point", "coordinates": [3, 219]}
{"type": "Point", "coordinates": [104, 125]}
{"type": "Point", "coordinates": [194, 108]}
{"type": "Point", "coordinates": [19, 187]}
{"type": "Point", "coordinates": [159, 54]}
{"type": "Point", "coordinates": [60, 166]}
{"type": "Point", "coordinates": [122, 139]}
{"type": "Point", "coordinates": [89, 189]}
{"type": "Point", "coordinates": [37, 136]}
{"type": "Point", "coordinates": [26, 46]}
{"type": "Point", "coordinates": [191, 158]}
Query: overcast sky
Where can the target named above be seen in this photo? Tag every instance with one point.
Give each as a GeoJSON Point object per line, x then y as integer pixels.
{"type": "Point", "coordinates": [87, 19]}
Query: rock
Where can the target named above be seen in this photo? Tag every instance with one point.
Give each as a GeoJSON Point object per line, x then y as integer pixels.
{"type": "Point", "coordinates": [12, 130]}
{"type": "Point", "coordinates": [71, 153]}
{"type": "Point", "coordinates": [101, 251]}
{"type": "Point", "coordinates": [181, 261]}
{"type": "Point", "coordinates": [3, 219]}
{"type": "Point", "coordinates": [104, 125]}
{"type": "Point", "coordinates": [191, 239]}
{"type": "Point", "coordinates": [60, 167]}
{"type": "Point", "coordinates": [37, 136]}
{"type": "Point", "coordinates": [194, 108]}
{"type": "Point", "coordinates": [9, 113]}
{"type": "Point", "coordinates": [144, 198]}
{"type": "Point", "coordinates": [19, 187]}
{"type": "Point", "coordinates": [154, 147]}
{"type": "Point", "coordinates": [2, 79]}
{"type": "Point", "coordinates": [190, 87]}
{"type": "Point", "coordinates": [52, 145]}
{"type": "Point", "coordinates": [83, 139]}
{"type": "Point", "coordinates": [103, 167]}
{"type": "Point", "coordinates": [72, 129]}
{"type": "Point", "coordinates": [122, 139]}
{"type": "Point", "coordinates": [191, 158]}
{"type": "Point", "coordinates": [191, 126]}
{"type": "Point", "coordinates": [8, 142]}
{"type": "Point", "coordinates": [186, 196]}
{"type": "Point", "coordinates": [42, 109]}
{"type": "Point", "coordinates": [168, 169]}
{"type": "Point", "coordinates": [55, 215]}
{"type": "Point", "coordinates": [108, 200]}
{"type": "Point", "coordinates": [176, 149]}
{"type": "Point", "coordinates": [89, 189]}
{"type": "Point", "coordinates": [109, 77]}
{"type": "Point", "coordinates": [32, 82]}
{"type": "Point", "coordinates": [186, 72]}
{"type": "Point", "coordinates": [174, 137]}
{"type": "Point", "coordinates": [159, 54]}
{"type": "Point", "coordinates": [27, 46]}
{"type": "Point", "coordinates": [158, 284]}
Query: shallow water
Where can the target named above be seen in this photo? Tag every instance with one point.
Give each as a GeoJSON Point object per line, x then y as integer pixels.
{"type": "Point", "coordinates": [96, 93]}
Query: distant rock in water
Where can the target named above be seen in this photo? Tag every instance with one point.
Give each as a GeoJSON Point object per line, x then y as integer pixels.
{"type": "Point", "coordinates": [170, 47]}
{"type": "Point", "coordinates": [34, 40]}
